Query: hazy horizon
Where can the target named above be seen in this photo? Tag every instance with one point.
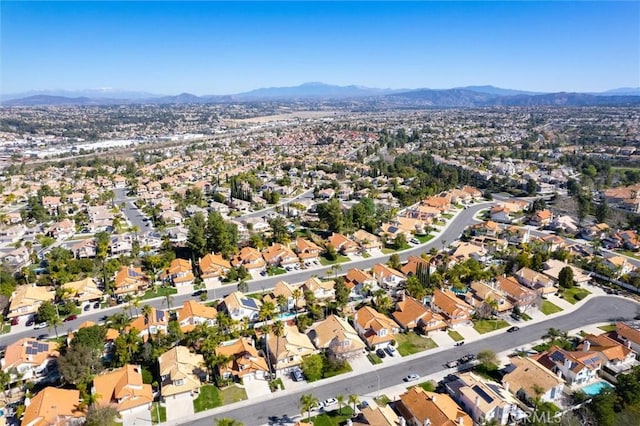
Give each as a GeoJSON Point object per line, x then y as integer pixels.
{"type": "Point", "coordinates": [219, 48]}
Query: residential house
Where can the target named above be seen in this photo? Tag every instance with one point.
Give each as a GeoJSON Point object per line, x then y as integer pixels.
{"type": "Point", "coordinates": [465, 251]}
{"type": "Point", "coordinates": [250, 258]}
{"type": "Point", "coordinates": [536, 280]}
{"type": "Point", "coordinates": [554, 266]}
{"type": "Point", "coordinates": [84, 249]}
{"type": "Point", "coordinates": [441, 203]}
{"type": "Point", "coordinates": [279, 255]}
{"type": "Point", "coordinates": [576, 367]}
{"type": "Point", "coordinates": [156, 322]}
{"type": "Point", "coordinates": [239, 306]}
{"type": "Point", "coordinates": [181, 374]}
{"type": "Point", "coordinates": [244, 360]}
{"type": "Point", "coordinates": [488, 228]}
{"type": "Point", "coordinates": [26, 299]}
{"type": "Point", "coordinates": [518, 295]}
{"type": "Point", "coordinates": [412, 315]}
{"type": "Point", "coordinates": [51, 204]}
{"type": "Point", "coordinates": [414, 264]}
{"type": "Point", "coordinates": [288, 292]}
{"type": "Point", "coordinates": [82, 291]}
{"type": "Point", "coordinates": [630, 240]}
{"type": "Point", "coordinates": [193, 313]}
{"type": "Point", "coordinates": [516, 235]}
{"type": "Point", "coordinates": [485, 400]}
{"type": "Point", "coordinates": [307, 250]}
{"type": "Point", "coordinates": [420, 408]}
{"type": "Point", "coordinates": [618, 265]}
{"type": "Point", "coordinates": [212, 267]}
{"type": "Point", "coordinates": [343, 244]}
{"type": "Point", "coordinates": [130, 281]}
{"type": "Point", "coordinates": [286, 351]}
{"type": "Point", "coordinates": [618, 357]}
{"type": "Point", "coordinates": [595, 232]}
{"type": "Point", "coordinates": [454, 310]}
{"type": "Point", "coordinates": [29, 359]}
{"type": "Point", "coordinates": [378, 416]}
{"type": "Point", "coordinates": [475, 193]}
{"type": "Point", "coordinates": [376, 329]}
{"type": "Point", "coordinates": [529, 380]}
{"type": "Point", "coordinates": [54, 407]}
{"type": "Point", "coordinates": [320, 289]}
{"type": "Point", "coordinates": [120, 244]}
{"type": "Point", "coordinates": [360, 282]}
{"type": "Point", "coordinates": [629, 335]}
{"type": "Point", "coordinates": [541, 218]}
{"type": "Point", "coordinates": [481, 293]}
{"type": "Point", "coordinates": [179, 273]}
{"type": "Point", "coordinates": [19, 257]}
{"type": "Point", "coordinates": [63, 229]}
{"type": "Point", "coordinates": [367, 240]}
{"type": "Point", "coordinates": [386, 276]}
{"type": "Point", "coordinates": [123, 389]}
{"type": "Point", "coordinates": [500, 214]}
{"type": "Point", "coordinates": [172, 218]}
{"type": "Point", "coordinates": [564, 224]}
{"type": "Point", "coordinates": [335, 336]}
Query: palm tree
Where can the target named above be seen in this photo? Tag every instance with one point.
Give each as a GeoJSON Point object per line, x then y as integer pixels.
{"type": "Point", "coordinates": [132, 341]}
{"type": "Point", "coordinates": [147, 310]}
{"type": "Point", "coordinates": [118, 321]}
{"type": "Point", "coordinates": [54, 322]}
{"type": "Point", "coordinates": [340, 398]}
{"type": "Point", "coordinates": [353, 399]}
{"type": "Point", "coordinates": [306, 402]}
{"type": "Point", "coordinates": [297, 294]}
{"type": "Point", "coordinates": [136, 304]}
{"type": "Point", "coordinates": [267, 311]}
{"type": "Point", "coordinates": [278, 330]}
{"type": "Point", "coordinates": [282, 302]}
{"type": "Point", "coordinates": [228, 422]}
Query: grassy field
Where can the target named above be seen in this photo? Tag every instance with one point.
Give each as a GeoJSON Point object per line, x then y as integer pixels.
{"type": "Point", "coordinates": [339, 259]}
{"type": "Point", "coordinates": [332, 418]}
{"type": "Point", "coordinates": [526, 317]}
{"type": "Point", "coordinates": [387, 250]}
{"type": "Point", "coordinates": [375, 359]}
{"type": "Point", "coordinates": [608, 328]}
{"type": "Point", "coordinates": [232, 394]}
{"type": "Point", "coordinates": [382, 400]}
{"type": "Point", "coordinates": [575, 294]}
{"type": "Point", "coordinates": [162, 292]}
{"type": "Point", "coordinates": [424, 238]}
{"type": "Point", "coordinates": [485, 326]}
{"type": "Point", "coordinates": [549, 308]}
{"type": "Point", "coordinates": [429, 386]}
{"type": "Point", "coordinates": [276, 271]}
{"type": "Point", "coordinates": [411, 343]}
{"type": "Point", "coordinates": [209, 398]}
{"type": "Point", "coordinates": [157, 409]}
{"type": "Point", "coordinates": [330, 373]}
{"type": "Point", "coordinates": [455, 335]}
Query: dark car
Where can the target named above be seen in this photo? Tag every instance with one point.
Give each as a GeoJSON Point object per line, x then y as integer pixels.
{"type": "Point", "coordinates": [390, 350]}
{"type": "Point", "coordinates": [30, 322]}
{"type": "Point", "coordinates": [512, 329]}
{"type": "Point", "coordinates": [71, 317]}
{"type": "Point", "coordinates": [14, 321]}
{"type": "Point", "coordinates": [297, 375]}
{"type": "Point", "coordinates": [96, 305]}
{"type": "Point", "coordinates": [381, 353]}
{"type": "Point", "coordinates": [459, 343]}
{"type": "Point", "coordinates": [86, 308]}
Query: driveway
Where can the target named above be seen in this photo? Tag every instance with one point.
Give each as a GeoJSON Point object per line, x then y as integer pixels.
{"type": "Point", "coordinates": [255, 387]}
{"type": "Point", "coordinates": [137, 418]}
{"type": "Point", "coordinates": [441, 338]}
{"type": "Point", "coordinates": [182, 406]}
{"type": "Point", "coordinates": [360, 363]}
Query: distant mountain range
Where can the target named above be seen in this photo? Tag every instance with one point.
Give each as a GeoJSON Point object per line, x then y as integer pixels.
{"type": "Point", "coordinates": [470, 96]}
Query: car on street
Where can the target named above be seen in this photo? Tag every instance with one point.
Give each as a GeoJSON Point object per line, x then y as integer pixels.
{"type": "Point", "coordinates": [330, 401]}
{"type": "Point", "coordinates": [411, 377]}
{"type": "Point", "coordinates": [460, 343]}
{"type": "Point", "coordinates": [71, 318]}
{"type": "Point", "coordinates": [29, 322]}
{"type": "Point", "coordinates": [317, 406]}
{"type": "Point", "coordinates": [414, 241]}
{"type": "Point", "coordinates": [390, 350]}
{"type": "Point", "coordinates": [452, 364]}
{"type": "Point", "coordinates": [40, 325]}
{"type": "Point", "coordinates": [512, 329]}
{"type": "Point", "coordinates": [297, 375]}
{"type": "Point", "coordinates": [467, 358]}
{"type": "Point", "coordinates": [381, 353]}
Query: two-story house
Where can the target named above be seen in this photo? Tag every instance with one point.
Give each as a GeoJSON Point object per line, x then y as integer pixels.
{"type": "Point", "coordinates": [83, 291]}
{"type": "Point", "coordinates": [536, 280]}
{"type": "Point", "coordinates": [239, 306]}
{"type": "Point", "coordinates": [618, 358]}
{"type": "Point", "coordinates": [123, 389]}
{"type": "Point", "coordinates": [154, 323]}
{"type": "Point", "coordinates": [250, 258]}
{"type": "Point", "coordinates": [179, 273]}
{"type": "Point", "coordinates": [193, 313]}
{"type": "Point", "coordinates": [454, 310]}
{"type": "Point", "coordinates": [26, 300]}
{"type": "Point", "coordinates": [529, 380]}
{"type": "Point", "coordinates": [130, 281]}
{"type": "Point", "coordinates": [336, 337]}
{"type": "Point", "coordinates": [376, 329]}
{"type": "Point", "coordinates": [279, 255]}
{"type": "Point", "coordinates": [29, 359]}
{"type": "Point", "coordinates": [413, 315]}
{"type": "Point", "coordinates": [387, 277]}
{"type": "Point", "coordinates": [422, 408]}
{"type": "Point", "coordinates": [285, 352]}
{"type": "Point", "coordinates": [290, 295]}
{"type": "Point", "coordinates": [307, 250]}
{"type": "Point", "coordinates": [361, 282]}
{"type": "Point", "coordinates": [53, 406]}
{"type": "Point", "coordinates": [320, 289]}
{"type": "Point", "coordinates": [212, 267]}
{"type": "Point", "coordinates": [181, 374]}
{"type": "Point", "coordinates": [244, 360]}
{"type": "Point", "coordinates": [541, 218]}
{"type": "Point", "coordinates": [576, 367]}
{"type": "Point", "coordinates": [517, 294]}
{"type": "Point", "coordinates": [367, 240]}
{"type": "Point", "coordinates": [343, 244]}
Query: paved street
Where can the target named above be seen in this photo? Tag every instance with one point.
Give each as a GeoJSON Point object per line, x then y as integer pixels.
{"type": "Point", "coordinates": [282, 407]}
{"type": "Point", "coordinates": [133, 214]}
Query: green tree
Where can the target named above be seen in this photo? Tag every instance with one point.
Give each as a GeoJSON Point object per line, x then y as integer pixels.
{"type": "Point", "coordinates": [603, 407]}
{"type": "Point", "coordinates": [307, 401]}
{"type": "Point", "coordinates": [312, 366]}
{"type": "Point", "coordinates": [353, 399]}
{"type": "Point", "coordinates": [342, 292]}
{"type": "Point", "coordinates": [565, 277]}
{"type": "Point", "coordinates": [222, 237]}
{"type": "Point", "coordinates": [100, 415]}
{"type": "Point", "coordinates": [394, 261]}
{"type": "Point", "coordinates": [196, 238]}
{"type": "Point", "coordinates": [602, 211]}
{"type": "Point", "coordinates": [243, 287]}
{"type": "Point", "coordinates": [78, 364]}
{"type": "Point", "coordinates": [400, 241]}
{"type": "Point", "coordinates": [488, 359]}
{"type": "Point", "coordinates": [331, 214]}
{"type": "Point", "coordinates": [267, 311]}
{"type": "Point", "coordinates": [414, 288]}
{"type": "Point", "coordinates": [279, 230]}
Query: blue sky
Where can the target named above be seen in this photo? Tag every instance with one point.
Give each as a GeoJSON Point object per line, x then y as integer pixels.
{"type": "Point", "coordinates": [222, 48]}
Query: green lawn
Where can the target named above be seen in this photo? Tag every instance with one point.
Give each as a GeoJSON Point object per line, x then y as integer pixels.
{"type": "Point", "coordinates": [382, 400]}
{"type": "Point", "coordinates": [485, 326]}
{"type": "Point", "coordinates": [424, 238]}
{"type": "Point", "coordinates": [330, 373]}
{"type": "Point", "coordinates": [608, 328]}
{"type": "Point", "coordinates": [366, 255]}
{"type": "Point", "coordinates": [410, 343]}
{"type": "Point", "coordinates": [575, 294]}
{"type": "Point", "coordinates": [332, 418]}
{"type": "Point", "coordinates": [629, 253]}
{"type": "Point", "coordinates": [526, 317]}
{"type": "Point", "coordinates": [447, 215]}
{"type": "Point", "coordinates": [276, 271]}
{"type": "Point", "coordinates": [209, 398]}
{"type": "Point", "coordinates": [339, 259]}
{"type": "Point", "coordinates": [6, 327]}
{"type": "Point", "coordinates": [549, 308]}
{"type": "Point", "coordinates": [387, 250]}
{"type": "Point", "coordinates": [233, 394]}
{"type": "Point", "coordinates": [375, 359]}
{"type": "Point", "coordinates": [455, 335]}
{"type": "Point", "coordinates": [156, 409]}
{"type": "Point", "coordinates": [162, 292]}
{"type": "Point", "coordinates": [429, 386]}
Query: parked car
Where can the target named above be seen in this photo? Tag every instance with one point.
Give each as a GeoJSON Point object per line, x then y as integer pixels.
{"type": "Point", "coordinates": [414, 241]}
{"type": "Point", "coordinates": [363, 405]}
{"type": "Point", "coordinates": [29, 322]}
{"type": "Point", "coordinates": [381, 353]}
{"type": "Point", "coordinates": [452, 364]}
{"type": "Point", "coordinates": [86, 308]}
{"type": "Point", "coordinates": [41, 325]}
{"type": "Point", "coordinates": [330, 401]}
{"type": "Point", "coordinates": [96, 305]}
{"type": "Point", "coordinates": [512, 329]}
{"type": "Point", "coordinates": [467, 358]}
{"type": "Point", "coordinates": [71, 318]}
{"type": "Point", "coordinates": [317, 406]}
{"type": "Point", "coordinates": [14, 321]}
{"type": "Point", "coordinates": [411, 377]}
{"type": "Point", "coordinates": [297, 375]}
{"type": "Point", "coordinates": [460, 343]}
{"type": "Point", "coordinates": [390, 350]}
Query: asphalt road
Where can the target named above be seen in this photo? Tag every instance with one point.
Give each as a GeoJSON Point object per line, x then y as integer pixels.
{"type": "Point", "coordinates": [450, 234]}
{"type": "Point", "coordinates": [133, 214]}
{"type": "Point", "coordinates": [281, 409]}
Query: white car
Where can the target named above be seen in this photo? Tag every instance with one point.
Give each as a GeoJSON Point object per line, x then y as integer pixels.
{"type": "Point", "coordinates": [40, 325]}
{"type": "Point", "coordinates": [330, 401]}
{"type": "Point", "coordinates": [411, 377]}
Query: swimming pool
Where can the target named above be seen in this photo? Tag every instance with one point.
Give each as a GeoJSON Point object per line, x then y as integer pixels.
{"type": "Point", "coordinates": [595, 388]}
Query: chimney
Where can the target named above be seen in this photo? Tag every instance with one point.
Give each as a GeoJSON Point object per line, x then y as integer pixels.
{"type": "Point", "coordinates": [427, 422]}
{"type": "Point", "coordinates": [628, 344]}
{"type": "Point", "coordinates": [460, 421]}
{"type": "Point", "coordinates": [402, 421]}
{"type": "Point", "coordinates": [477, 401]}
{"type": "Point", "coordinates": [506, 386]}
{"type": "Point", "coordinates": [567, 363]}
{"type": "Point", "coordinates": [586, 345]}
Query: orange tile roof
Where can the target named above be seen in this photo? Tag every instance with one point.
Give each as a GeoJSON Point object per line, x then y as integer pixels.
{"type": "Point", "coordinates": [21, 352]}
{"type": "Point", "coordinates": [122, 388]}
{"type": "Point", "coordinates": [214, 265]}
{"type": "Point", "coordinates": [440, 409]}
{"type": "Point", "coordinates": [53, 406]}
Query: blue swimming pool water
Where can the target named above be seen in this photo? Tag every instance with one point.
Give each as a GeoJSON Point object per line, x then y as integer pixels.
{"type": "Point", "coordinates": [595, 388]}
